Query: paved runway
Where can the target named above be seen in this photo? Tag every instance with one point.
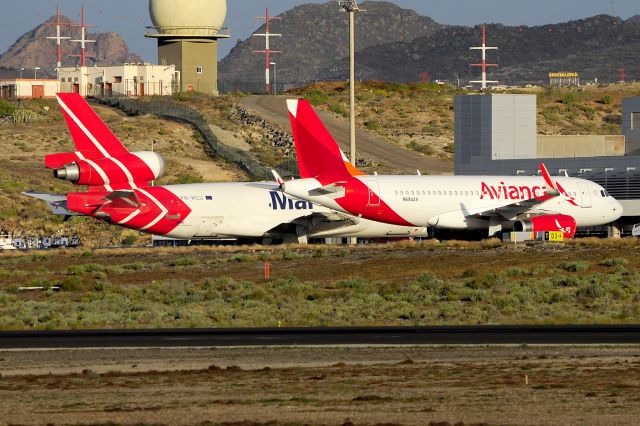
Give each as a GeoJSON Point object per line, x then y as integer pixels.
{"type": "Point", "coordinates": [462, 335]}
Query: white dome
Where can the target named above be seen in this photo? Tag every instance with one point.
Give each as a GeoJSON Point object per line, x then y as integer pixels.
{"type": "Point", "coordinates": [188, 16]}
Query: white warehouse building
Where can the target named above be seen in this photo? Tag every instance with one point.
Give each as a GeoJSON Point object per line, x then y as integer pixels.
{"type": "Point", "coordinates": [25, 88]}
{"type": "Point", "coordinates": [120, 80]}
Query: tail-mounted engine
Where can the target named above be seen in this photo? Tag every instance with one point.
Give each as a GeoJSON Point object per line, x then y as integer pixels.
{"type": "Point", "coordinates": [555, 222]}
{"type": "Point", "coordinates": [141, 166]}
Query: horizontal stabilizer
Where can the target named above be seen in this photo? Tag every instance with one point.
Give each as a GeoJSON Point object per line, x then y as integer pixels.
{"type": "Point", "coordinates": [57, 203]}
{"type": "Point", "coordinates": [330, 189]}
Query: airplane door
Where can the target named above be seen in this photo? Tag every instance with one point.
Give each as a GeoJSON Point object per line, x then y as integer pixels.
{"type": "Point", "coordinates": [585, 195]}
{"type": "Point", "coordinates": [374, 191]}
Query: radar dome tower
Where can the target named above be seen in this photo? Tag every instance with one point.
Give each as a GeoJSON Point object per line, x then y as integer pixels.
{"type": "Point", "coordinates": [187, 34]}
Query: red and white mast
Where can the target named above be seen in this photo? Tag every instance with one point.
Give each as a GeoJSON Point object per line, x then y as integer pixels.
{"type": "Point", "coordinates": [58, 38]}
{"type": "Point", "coordinates": [83, 39]}
{"type": "Point", "coordinates": [267, 51]}
{"type": "Point", "coordinates": [484, 63]}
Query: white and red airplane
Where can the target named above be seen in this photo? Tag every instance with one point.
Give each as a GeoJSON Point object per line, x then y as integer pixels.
{"type": "Point", "coordinates": [495, 203]}
{"type": "Point", "coordinates": [119, 193]}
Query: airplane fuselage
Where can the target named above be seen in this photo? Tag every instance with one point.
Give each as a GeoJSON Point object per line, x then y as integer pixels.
{"type": "Point", "coordinates": [237, 209]}
{"type": "Point", "coordinates": [458, 202]}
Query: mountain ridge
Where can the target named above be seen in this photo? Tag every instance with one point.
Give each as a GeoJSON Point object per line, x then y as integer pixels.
{"type": "Point", "coordinates": [33, 49]}
{"type": "Point", "coordinates": [395, 44]}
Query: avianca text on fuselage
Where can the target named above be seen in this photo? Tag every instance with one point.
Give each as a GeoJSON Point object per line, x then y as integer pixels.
{"type": "Point", "coordinates": [520, 192]}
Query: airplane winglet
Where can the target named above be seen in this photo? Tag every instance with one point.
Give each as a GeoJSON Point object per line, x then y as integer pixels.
{"type": "Point", "coordinates": [552, 189]}
{"type": "Point", "coordinates": [277, 177]}
{"type": "Point", "coordinates": [546, 176]}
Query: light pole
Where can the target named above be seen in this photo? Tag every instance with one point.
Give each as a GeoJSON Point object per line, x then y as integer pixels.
{"type": "Point", "coordinates": [21, 69]}
{"type": "Point", "coordinates": [35, 73]}
{"type": "Point", "coordinates": [352, 7]}
{"type": "Point", "coordinates": [275, 75]}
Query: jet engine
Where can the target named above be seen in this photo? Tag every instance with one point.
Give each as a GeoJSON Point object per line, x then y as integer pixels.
{"type": "Point", "coordinates": [141, 166]}
{"type": "Point", "coordinates": [544, 223]}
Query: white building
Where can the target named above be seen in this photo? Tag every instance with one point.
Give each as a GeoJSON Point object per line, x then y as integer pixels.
{"type": "Point", "coordinates": [127, 80]}
{"type": "Point", "coordinates": [23, 88]}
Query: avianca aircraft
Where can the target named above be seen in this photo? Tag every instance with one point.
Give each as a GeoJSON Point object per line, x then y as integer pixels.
{"type": "Point", "coordinates": [119, 193]}
{"type": "Point", "coordinates": [528, 203]}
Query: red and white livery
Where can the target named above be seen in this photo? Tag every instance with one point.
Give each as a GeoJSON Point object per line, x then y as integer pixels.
{"type": "Point", "coordinates": [495, 203]}
{"type": "Point", "coordinates": [119, 193]}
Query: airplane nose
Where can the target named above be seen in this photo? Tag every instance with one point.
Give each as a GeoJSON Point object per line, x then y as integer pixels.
{"type": "Point", "coordinates": [617, 209]}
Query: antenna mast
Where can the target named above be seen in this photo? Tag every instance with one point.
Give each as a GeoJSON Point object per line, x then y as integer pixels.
{"type": "Point", "coordinates": [484, 63]}
{"type": "Point", "coordinates": [58, 38]}
{"type": "Point", "coordinates": [267, 52]}
{"type": "Point", "coordinates": [83, 38]}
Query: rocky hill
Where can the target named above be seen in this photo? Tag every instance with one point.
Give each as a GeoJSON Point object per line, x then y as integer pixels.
{"type": "Point", "coordinates": [395, 44]}
{"type": "Point", "coordinates": [595, 47]}
{"type": "Point", "coordinates": [33, 49]}
{"type": "Point", "coordinates": [316, 35]}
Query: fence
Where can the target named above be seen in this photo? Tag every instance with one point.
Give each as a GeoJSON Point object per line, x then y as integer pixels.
{"type": "Point", "coordinates": [166, 107]}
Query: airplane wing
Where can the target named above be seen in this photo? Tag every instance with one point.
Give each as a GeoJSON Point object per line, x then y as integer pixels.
{"type": "Point", "coordinates": [304, 224]}
{"type": "Point", "coordinates": [509, 210]}
{"type": "Point", "coordinates": [57, 203]}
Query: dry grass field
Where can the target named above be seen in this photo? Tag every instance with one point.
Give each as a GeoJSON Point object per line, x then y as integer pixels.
{"type": "Point", "coordinates": [403, 283]}
{"type": "Point", "coordinates": [401, 385]}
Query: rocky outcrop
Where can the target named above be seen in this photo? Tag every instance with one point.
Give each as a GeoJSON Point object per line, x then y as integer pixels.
{"type": "Point", "coordinates": [316, 35]}
{"type": "Point", "coordinates": [33, 49]}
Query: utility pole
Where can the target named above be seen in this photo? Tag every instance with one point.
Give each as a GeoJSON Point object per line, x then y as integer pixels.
{"type": "Point", "coordinates": [58, 38]}
{"type": "Point", "coordinates": [484, 63]}
{"type": "Point", "coordinates": [267, 51]}
{"type": "Point", "coordinates": [352, 7]}
{"type": "Point", "coordinates": [83, 38]}
{"type": "Point", "coordinates": [275, 78]}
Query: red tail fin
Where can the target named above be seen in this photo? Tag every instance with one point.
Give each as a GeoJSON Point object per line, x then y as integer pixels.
{"type": "Point", "coordinates": [317, 151]}
{"type": "Point", "coordinates": [92, 138]}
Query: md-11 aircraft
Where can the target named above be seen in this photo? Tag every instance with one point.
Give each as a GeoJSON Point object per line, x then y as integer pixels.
{"type": "Point", "coordinates": [494, 203]}
{"type": "Point", "coordinates": [119, 193]}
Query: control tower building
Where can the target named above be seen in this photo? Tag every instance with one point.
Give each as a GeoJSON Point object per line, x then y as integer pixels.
{"type": "Point", "coordinates": [187, 32]}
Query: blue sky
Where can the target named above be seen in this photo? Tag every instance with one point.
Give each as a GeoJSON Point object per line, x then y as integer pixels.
{"type": "Point", "coordinates": [129, 17]}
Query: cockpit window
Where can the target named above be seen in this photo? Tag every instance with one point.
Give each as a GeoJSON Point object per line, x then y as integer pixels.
{"type": "Point", "coordinates": [602, 193]}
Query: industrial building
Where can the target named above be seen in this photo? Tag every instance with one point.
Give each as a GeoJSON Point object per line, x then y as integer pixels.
{"type": "Point", "coordinates": [27, 88]}
{"type": "Point", "coordinates": [187, 33]}
{"type": "Point", "coordinates": [122, 80]}
{"type": "Point", "coordinates": [497, 135]}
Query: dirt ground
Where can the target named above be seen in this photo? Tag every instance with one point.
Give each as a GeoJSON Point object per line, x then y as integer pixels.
{"type": "Point", "coordinates": [531, 385]}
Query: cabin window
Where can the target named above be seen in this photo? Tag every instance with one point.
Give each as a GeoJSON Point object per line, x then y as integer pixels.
{"type": "Point", "coordinates": [396, 192]}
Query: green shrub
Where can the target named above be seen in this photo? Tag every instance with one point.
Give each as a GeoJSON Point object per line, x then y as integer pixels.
{"type": "Point", "coordinates": [185, 261]}
{"type": "Point", "coordinates": [570, 100]}
{"type": "Point", "coordinates": [185, 178]}
{"type": "Point", "coordinates": [6, 108]}
{"type": "Point", "coordinates": [606, 99]}
{"type": "Point", "coordinates": [618, 261]}
{"type": "Point", "coordinates": [577, 266]}
{"type": "Point", "coordinates": [422, 148]}
{"type": "Point", "coordinates": [316, 97]}
{"type": "Point", "coordinates": [241, 257]}
{"type": "Point", "coordinates": [129, 240]}
{"type": "Point", "coordinates": [73, 283]}
{"type": "Point", "coordinates": [371, 125]}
